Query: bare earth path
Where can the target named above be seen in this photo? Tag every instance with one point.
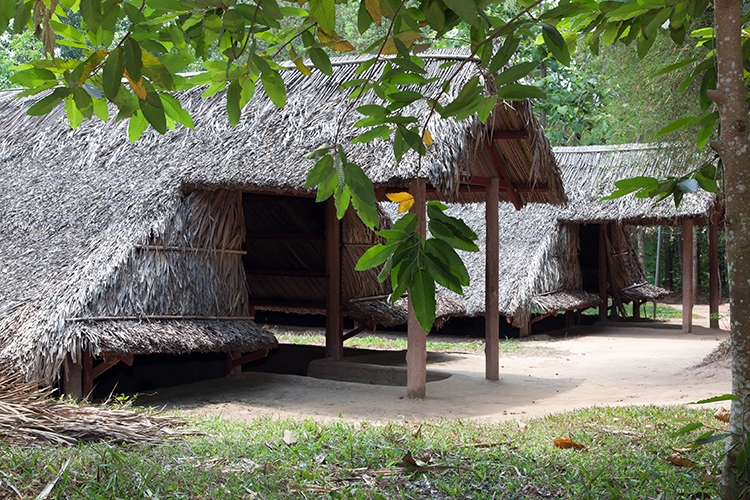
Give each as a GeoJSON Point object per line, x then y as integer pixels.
{"type": "Point", "coordinates": [604, 365]}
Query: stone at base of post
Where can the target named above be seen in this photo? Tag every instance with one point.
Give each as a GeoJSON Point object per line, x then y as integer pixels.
{"type": "Point", "coordinates": [73, 378]}
{"type": "Point", "coordinates": [526, 329]}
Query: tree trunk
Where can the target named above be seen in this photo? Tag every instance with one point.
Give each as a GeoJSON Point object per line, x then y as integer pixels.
{"type": "Point", "coordinates": [733, 147]}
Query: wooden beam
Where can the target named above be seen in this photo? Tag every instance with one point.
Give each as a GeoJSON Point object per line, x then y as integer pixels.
{"type": "Point", "coordinates": [285, 236]}
{"type": "Point", "coordinates": [504, 181]}
{"type": "Point", "coordinates": [261, 303]}
{"type": "Point", "coordinates": [416, 351]}
{"type": "Point", "coordinates": [713, 270]}
{"type": "Point", "coordinates": [287, 273]}
{"type": "Point", "coordinates": [73, 377]}
{"type": "Point", "coordinates": [363, 325]}
{"type": "Point", "coordinates": [334, 319]}
{"type": "Point", "coordinates": [603, 275]}
{"type": "Point", "coordinates": [687, 276]}
{"type": "Point", "coordinates": [508, 134]}
{"type": "Point", "coordinates": [235, 360]}
{"type": "Point", "coordinates": [491, 284]}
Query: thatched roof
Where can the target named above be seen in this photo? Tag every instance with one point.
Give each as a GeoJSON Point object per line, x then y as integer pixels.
{"type": "Point", "coordinates": [589, 173]}
{"type": "Point", "coordinates": [314, 108]}
{"type": "Point", "coordinates": [100, 229]}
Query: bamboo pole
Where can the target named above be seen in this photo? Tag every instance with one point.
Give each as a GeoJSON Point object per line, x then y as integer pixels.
{"type": "Point", "coordinates": [687, 276]}
{"type": "Point", "coordinates": [334, 323]}
{"type": "Point", "coordinates": [416, 351]}
{"type": "Point", "coordinates": [491, 280]}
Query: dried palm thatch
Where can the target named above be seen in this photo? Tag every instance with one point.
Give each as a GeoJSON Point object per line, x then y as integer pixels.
{"type": "Point", "coordinates": [589, 173]}
{"type": "Point", "coordinates": [539, 269]}
{"type": "Point", "coordinates": [101, 230]}
{"type": "Point", "coordinates": [28, 416]}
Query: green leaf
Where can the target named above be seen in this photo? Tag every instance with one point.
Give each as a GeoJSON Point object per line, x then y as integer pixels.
{"type": "Point", "coordinates": [687, 428]}
{"type": "Point", "coordinates": [373, 110]}
{"type": "Point", "coordinates": [440, 271]}
{"type": "Point", "coordinates": [445, 232]}
{"type": "Point", "coordinates": [518, 92]}
{"type": "Point", "coordinates": [32, 77]}
{"type": "Point", "coordinates": [556, 44]}
{"type": "Point", "coordinates": [405, 96]}
{"type": "Point", "coordinates": [175, 111]}
{"type": "Point", "coordinates": [688, 185]}
{"type": "Point", "coordinates": [132, 58]}
{"type": "Point", "coordinates": [154, 113]}
{"type": "Point", "coordinates": [422, 297]}
{"type": "Point", "coordinates": [321, 61]}
{"type": "Point", "coordinates": [360, 185]}
{"type": "Point", "coordinates": [465, 99]}
{"type": "Point", "coordinates": [672, 67]}
{"type": "Point", "coordinates": [383, 132]}
{"type": "Point", "coordinates": [324, 12]}
{"type": "Point", "coordinates": [711, 438]}
{"type": "Point", "coordinates": [273, 84]}
{"type": "Point", "coordinates": [75, 117]}
{"type": "Point", "coordinates": [341, 199]}
{"type": "Point", "coordinates": [504, 53]}
{"type": "Point", "coordinates": [716, 399]}
{"type": "Point", "coordinates": [136, 126]}
{"type": "Point", "coordinates": [326, 188]}
{"type": "Point", "coordinates": [322, 171]}
{"type": "Point", "coordinates": [456, 265]}
{"type": "Point", "coordinates": [156, 71]}
{"type": "Point", "coordinates": [45, 105]}
{"type": "Point", "coordinates": [466, 10]}
{"type": "Point", "coordinates": [373, 257]}
{"type": "Point", "coordinates": [515, 73]}
{"type": "Point", "coordinates": [678, 124]}
{"type": "Point", "coordinates": [101, 110]}
{"type": "Point", "coordinates": [637, 182]}
{"type": "Point", "coordinates": [233, 103]}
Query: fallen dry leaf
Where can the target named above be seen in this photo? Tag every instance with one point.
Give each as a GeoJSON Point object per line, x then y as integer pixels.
{"type": "Point", "coordinates": [311, 488]}
{"type": "Point", "coordinates": [722, 414]}
{"type": "Point", "coordinates": [680, 461]}
{"type": "Point", "coordinates": [566, 443]}
{"type": "Point", "coordinates": [290, 438]}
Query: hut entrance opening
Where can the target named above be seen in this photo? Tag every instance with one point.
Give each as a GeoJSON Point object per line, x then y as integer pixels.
{"type": "Point", "coordinates": [588, 256]}
{"type": "Point", "coordinates": [285, 262]}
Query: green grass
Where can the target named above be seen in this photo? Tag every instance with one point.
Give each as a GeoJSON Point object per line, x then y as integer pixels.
{"type": "Point", "coordinates": [625, 458]}
{"type": "Point", "coordinates": [663, 311]}
{"type": "Point", "coordinates": [393, 342]}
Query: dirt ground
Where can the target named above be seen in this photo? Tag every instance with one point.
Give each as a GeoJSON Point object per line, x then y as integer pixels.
{"type": "Point", "coordinates": [601, 365]}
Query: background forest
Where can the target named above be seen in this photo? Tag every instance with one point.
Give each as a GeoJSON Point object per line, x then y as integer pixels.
{"type": "Point", "coordinates": [595, 101]}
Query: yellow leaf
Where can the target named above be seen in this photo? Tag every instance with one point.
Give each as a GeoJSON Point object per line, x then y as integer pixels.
{"type": "Point", "coordinates": [298, 63]}
{"type": "Point", "coordinates": [408, 37]}
{"type": "Point", "coordinates": [427, 138]}
{"type": "Point", "coordinates": [138, 88]}
{"type": "Point", "coordinates": [91, 65]}
{"type": "Point", "coordinates": [404, 200]}
{"type": "Point", "coordinates": [335, 41]}
{"type": "Point", "coordinates": [373, 7]}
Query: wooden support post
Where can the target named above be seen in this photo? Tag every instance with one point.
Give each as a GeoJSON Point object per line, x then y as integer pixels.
{"type": "Point", "coordinates": [525, 329]}
{"type": "Point", "coordinates": [687, 276]}
{"type": "Point", "coordinates": [416, 350]}
{"type": "Point", "coordinates": [570, 319]}
{"type": "Point", "coordinates": [334, 320]}
{"type": "Point", "coordinates": [603, 275]}
{"type": "Point", "coordinates": [73, 377]}
{"type": "Point", "coordinates": [713, 271]}
{"type": "Point", "coordinates": [637, 309]}
{"type": "Point", "coordinates": [491, 283]}
{"type": "Point", "coordinates": [88, 375]}
{"type": "Point", "coordinates": [233, 370]}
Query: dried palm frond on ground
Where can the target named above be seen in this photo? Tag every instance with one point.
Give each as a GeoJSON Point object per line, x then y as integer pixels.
{"type": "Point", "coordinates": [722, 354]}
{"type": "Point", "coordinates": [28, 416]}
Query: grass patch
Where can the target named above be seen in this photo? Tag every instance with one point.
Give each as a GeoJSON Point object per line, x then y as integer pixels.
{"type": "Point", "coordinates": [663, 311]}
{"type": "Point", "coordinates": [625, 457]}
{"type": "Point", "coordinates": [393, 342]}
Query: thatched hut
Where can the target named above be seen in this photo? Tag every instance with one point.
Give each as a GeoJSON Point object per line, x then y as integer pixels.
{"type": "Point", "coordinates": [552, 258]}
{"type": "Point", "coordinates": [168, 245]}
